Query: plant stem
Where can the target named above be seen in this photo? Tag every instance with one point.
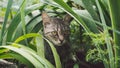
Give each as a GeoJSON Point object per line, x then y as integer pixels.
{"type": "Point", "coordinates": [114, 8]}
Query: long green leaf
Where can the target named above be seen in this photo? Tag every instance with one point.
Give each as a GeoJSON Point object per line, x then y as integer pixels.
{"type": "Point", "coordinates": [40, 48]}
{"type": "Point", "coordinates": [16, 21]}
{"type": "Point", "coordinates": [55, 54]}
{"type": "Point", "coordinates": [71, 12]}
{"type": "Point", "coordinates": [21, 59]}
{"type": "Point", "coordinates": [26, 55]}
{"type": "Point", "coordinates": [114, 8]}
{"type": "Point", "coordinates": [5, 20]}
{"type": "Point", "coordinates": [88, 20]}
{"type": "Point", "coordinates": [33, 22]}
{"type": "Point", "coordinates": [40, 45]}
{"type": "Point", "coordinates": [33, 26]}
{"type": "Point", "coordinates": [40, 58]}
{"type": "Point", "coordinates": [22, 9]}
{"type": "Point", "coordinates": [26, 36]}
{"type": "Point", "coordinates": [107, 38]}
{"type": "Point", "coordinates": [5, 56]}
{"type": "Point", "coordinates": [88, 4]}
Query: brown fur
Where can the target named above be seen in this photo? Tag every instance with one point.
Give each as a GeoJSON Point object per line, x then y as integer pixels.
{"type": "Point", "coordinates": [57, 31]}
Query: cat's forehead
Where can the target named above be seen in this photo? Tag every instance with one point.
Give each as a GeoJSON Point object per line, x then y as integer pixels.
{"type": "Point", "coordinates": [57, 21]}
{"type": "Point", "coordinates": [56, 24]}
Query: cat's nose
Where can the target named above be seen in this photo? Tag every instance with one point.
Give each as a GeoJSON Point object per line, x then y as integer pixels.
{"type": "Point", "coordinates": [61, 38]}
{"type": "Point", "coordinates": [61, 41]}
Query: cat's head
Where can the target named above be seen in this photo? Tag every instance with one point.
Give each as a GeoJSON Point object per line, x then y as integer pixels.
{"type": "Point", "coordinates": [56, 30]}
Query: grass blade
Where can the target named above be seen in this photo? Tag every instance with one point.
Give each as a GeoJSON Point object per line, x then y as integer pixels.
{"type": "Point", "coordinates": [40, 46]}
{"type": "Point", "coordinates": [22, 9]}
{"type": "Point", "coordinates": [29, 57]}
{"type": "Point", "coordinates": [40, 58]}
{"type": "Point", "coordinates": [55, 54]}
{"type": "Point", "coordinates": [114, 8]}
{"type": "Point", "coordinates": [88, 4]}
{"type": "Point", "coordinates": [26, 36]}
{"type": "Point", "coordinates": [3, 30]}
{"type": "Point", "coordinates": [107, 38]}
{"type": "Point", "coordinates": [21, 59]}
{"type": "Point", "coordinates": [16, 21]}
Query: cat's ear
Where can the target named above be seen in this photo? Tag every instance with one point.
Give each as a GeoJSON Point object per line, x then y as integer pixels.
{"type": "Point", "coordinates": [45, 18]}
{"type": "Point", "coordinates": [67, 19]}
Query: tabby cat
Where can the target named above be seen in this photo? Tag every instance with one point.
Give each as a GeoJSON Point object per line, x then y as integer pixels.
{"type": "Point", "coordinates": [57, 31]}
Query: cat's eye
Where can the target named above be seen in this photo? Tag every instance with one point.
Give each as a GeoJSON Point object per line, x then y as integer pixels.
{"type": "Point", "coordinates": [54, 32]}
